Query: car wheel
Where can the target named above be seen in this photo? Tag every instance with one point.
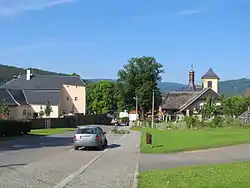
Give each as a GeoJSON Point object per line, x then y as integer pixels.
{"type": "Point", "coordinates": [105, 143]}
{"type": "Point", "coordinates": [76, 147]}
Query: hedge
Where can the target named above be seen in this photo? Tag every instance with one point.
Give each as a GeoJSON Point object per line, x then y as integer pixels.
{"type": "Point", "coordinates": [14, 128]}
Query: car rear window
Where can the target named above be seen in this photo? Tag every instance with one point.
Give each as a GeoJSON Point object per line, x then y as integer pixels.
{"type": "Point", "coordinates": [85, 131]}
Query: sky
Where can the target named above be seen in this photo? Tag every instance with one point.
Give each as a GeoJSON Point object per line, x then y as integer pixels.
{"type": "Point", "coordinates": [95, 38]}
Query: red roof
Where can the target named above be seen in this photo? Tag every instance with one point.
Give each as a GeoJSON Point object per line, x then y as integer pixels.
{"type": "Point", "coordinates": [248, 92]}
{"type": "Point", "coordinates": [132, 112]}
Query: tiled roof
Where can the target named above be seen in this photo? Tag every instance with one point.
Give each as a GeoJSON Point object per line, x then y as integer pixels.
{"type": "Point", "coordinates": [174, 100]}
{"type": "Point", "coordinates": [210, 75]}
{"type": "Point", "coordinates": [42, 96]}
{"type": "Point", "coordinates": [5, 96]}
{"type": "Point", "coordinates": [42, 82]}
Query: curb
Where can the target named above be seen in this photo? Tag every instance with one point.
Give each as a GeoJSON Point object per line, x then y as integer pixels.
{"type": "Point", "coordinates": [135, 183]}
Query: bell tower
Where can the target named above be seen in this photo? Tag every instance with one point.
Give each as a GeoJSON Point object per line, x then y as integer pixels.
{"type": "Point", "coordinates": [210, 80]}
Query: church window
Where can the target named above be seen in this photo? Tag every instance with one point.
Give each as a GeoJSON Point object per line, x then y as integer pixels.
{"type": "Point", "coordinates": [209, 84]}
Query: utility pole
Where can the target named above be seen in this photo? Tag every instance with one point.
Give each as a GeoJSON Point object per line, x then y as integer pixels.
{"type": "Point", "coordinates": [136, 107]}
{"type": "Point", "coordinates": [153, 108]}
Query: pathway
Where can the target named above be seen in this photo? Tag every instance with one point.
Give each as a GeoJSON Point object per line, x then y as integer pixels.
{"type": "Point", "coordinates": [237, 153]}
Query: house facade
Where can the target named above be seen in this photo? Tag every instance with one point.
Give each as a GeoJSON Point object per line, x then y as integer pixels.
{"type": "Point", "coordinates": [178, 104]}
{"type": "Point", "coordinates": [27, 95]}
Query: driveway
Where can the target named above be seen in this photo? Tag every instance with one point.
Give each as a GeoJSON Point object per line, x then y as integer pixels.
{"type": "Point", "coordinates": [25, 150]}
{"type": "Point", "coordinates": [237, 153]}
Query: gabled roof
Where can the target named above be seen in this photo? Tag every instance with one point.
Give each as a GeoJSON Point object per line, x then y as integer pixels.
{"type": "Point", "coordinates": [210, 75]}
{"type": "Point", "coordinates": [43, 82]}
{"type": "Point", "coordinates": [197, 96]}
{"type": "Point", "coordinates": [174, 100]}
{"type": "Point", "coordinates": [5, 96]}
{"type": "Point", "coordinates": [41, 97]}
{"type": "Point", "coordinates": [181, 100]}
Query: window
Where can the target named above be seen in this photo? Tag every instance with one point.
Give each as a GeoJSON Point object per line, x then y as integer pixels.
{"type": "Point", "coordinates": [35, 115]}
{"type": "Point", "coordinates": [209, 84]}
{"type": "Point", "coordinates": [76, 98]}
{"type": "Point", "coordinates": [24, 112]}
{"type": "Point", "coordinates": [86, 131]}
{"type": "Point", "coordinates": [67, 98]}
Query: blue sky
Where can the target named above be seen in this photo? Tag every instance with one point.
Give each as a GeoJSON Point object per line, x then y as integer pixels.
{"type": "Point", "coordinates": [95, 38]}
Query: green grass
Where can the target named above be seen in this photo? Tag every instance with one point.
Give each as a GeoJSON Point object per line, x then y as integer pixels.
{"type": "Point", "coordinates": [209, 176]}
{"type": "Point", "coordinates": [165, 141]}
{"type": "Point", "coordinates": [47, 132]}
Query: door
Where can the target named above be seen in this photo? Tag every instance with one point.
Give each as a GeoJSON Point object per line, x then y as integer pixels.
{"type": "Point", "coordinates": [100, 132]}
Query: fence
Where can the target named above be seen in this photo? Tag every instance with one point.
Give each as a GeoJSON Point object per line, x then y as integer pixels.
{"type": "Point", "coordinates": [71, 121]}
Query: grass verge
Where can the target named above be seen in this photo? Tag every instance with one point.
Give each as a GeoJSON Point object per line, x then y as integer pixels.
{"type": "Point", "coordinates": [165, 141]}
{"type": "Point", "coordinates": [209, 176]}
{"type": "Point", "coordinates": [47, 132]}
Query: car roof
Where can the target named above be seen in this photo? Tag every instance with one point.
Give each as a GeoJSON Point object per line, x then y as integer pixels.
{"type": "Point", "coordinates": [88, 126]}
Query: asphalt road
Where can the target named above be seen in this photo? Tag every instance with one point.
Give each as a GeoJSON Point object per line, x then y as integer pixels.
{"type": "Point", "coordinates": [237, 153]}
{"type": "Point", "coordinates": [29, 149]}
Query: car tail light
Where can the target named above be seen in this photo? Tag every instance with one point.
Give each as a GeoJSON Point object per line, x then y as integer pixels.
{"type": "Point", "coordinates": [74, 138]}
{"type": "Point", "coordinates": [97, 138]}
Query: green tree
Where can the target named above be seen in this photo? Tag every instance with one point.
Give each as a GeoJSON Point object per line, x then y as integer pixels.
{"type": "Point", "coordinates": [41, 112]}
{"type": "Point", "coordinates": [48, 109]}
{"type": "Point", "coordinates": [4, 111]}
{"type": "Point", "coordinates": [210, 109]}
{"type": "Point", "coordinates": [104, 97]}
{"type": "Point", "coordinates": [140, 78]}
{"type": "Point", "coordinates": [74, 74]}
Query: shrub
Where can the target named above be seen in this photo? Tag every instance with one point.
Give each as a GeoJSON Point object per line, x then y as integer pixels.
{"type": "Point", "coordinates": [14, 128]}
{"type": "Point", "coordinates": [217, 121]}
{"type": "Point", "coordinates": [124, 120]}
{"type": "Point", "coordinates": [191, 121]}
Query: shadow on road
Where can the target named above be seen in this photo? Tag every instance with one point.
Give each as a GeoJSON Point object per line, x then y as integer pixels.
{"type": "Point", "coordinates": [11, 165]}
{"type": "Point", "coordinates": [35, 141]}
{"type": "Point", "coordinates": [111, 146]}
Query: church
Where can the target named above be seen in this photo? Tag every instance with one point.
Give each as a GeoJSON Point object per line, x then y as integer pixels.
{"type": "Point", "coordinates": [178, 104]}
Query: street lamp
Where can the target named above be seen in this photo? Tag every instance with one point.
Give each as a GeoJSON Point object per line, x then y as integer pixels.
{"type": "Point", "coordinates": [136, 106]}
{"type": "Point", "coordinates": [153, 108]}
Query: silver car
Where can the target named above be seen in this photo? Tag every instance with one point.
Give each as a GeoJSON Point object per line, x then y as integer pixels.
{"type": "Point", "coordinates": [90, 136]}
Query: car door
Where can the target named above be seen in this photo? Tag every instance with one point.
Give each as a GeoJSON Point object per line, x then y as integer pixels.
{"type": "Point", "coordinates": [101, 134]}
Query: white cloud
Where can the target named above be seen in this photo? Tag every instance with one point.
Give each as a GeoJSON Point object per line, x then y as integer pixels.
{"type": "Point", "coordinates": [190, 12]}
{"type": "Point", "coordinates": [13, 7]}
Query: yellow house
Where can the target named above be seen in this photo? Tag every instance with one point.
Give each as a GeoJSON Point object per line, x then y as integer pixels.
{"type": "Point", "coordinates": [27, 95]}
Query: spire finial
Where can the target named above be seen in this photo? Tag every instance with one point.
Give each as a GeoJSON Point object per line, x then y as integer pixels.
{"type": "Point", "coordinates": [192, 67]}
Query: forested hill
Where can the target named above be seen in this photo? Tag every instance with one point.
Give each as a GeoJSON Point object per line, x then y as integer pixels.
{"type": "Point", "coordinates": [7, 72]}
{"type": "Point", "coordinates": [229, 87]}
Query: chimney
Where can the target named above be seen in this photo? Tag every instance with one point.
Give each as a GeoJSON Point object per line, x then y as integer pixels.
{"type": "Point", "coordinates": [191, 85]}
{"type": "Point", "coordinates": [28, 74]}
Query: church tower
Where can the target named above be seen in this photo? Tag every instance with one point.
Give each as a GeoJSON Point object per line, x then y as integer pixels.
{"type": "Point", "coordinates": [210, 80]}
{"type": "Point", "coordinates": [191, 84]}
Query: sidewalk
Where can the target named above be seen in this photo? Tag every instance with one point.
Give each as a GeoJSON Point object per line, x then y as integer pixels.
{"type": "Point", "coordinates": [115, 169]}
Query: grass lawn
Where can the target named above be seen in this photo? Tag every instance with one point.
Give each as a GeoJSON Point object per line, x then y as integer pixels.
{"type": "Point", "coordinates": [222, 175]}
{"type": "Point", "coordinates": [165, 141]}
{"type": "Point", "coordinates": [46, 132]}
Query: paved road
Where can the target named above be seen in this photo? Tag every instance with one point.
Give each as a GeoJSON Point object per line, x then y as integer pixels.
{"type": "Point", "coordinates": [23, 151]}
{"type": "Point", "coordinates": [237, 153]}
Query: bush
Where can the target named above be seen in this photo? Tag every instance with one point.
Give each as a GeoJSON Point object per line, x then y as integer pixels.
{"type": "Point", "coordinates": [217, 122]}
{"type": "Point", "coordinates": [192, 121]}
{"type": "Point", "coordinates": [14, 128]}
{"type": "Point", "coordinates": [124, 120]}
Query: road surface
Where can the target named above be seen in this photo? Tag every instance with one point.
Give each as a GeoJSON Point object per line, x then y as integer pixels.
{"type": "Point", "coordinates": [28, 149]}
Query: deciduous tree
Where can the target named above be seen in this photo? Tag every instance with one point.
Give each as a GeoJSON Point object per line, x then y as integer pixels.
{"type": "Point", "coordinates": [104, 97]}
{"type": "Point", "coordinates": [48, 109]}
{"type": "Point", "coordinates": [140, 78]}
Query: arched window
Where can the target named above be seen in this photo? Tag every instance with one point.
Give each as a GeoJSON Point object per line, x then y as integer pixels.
{"type": "Point", "coordinates": [209, 84]}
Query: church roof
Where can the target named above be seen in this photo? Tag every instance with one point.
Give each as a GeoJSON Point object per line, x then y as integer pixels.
{"type": "Point", "coordinates": [210, 75]}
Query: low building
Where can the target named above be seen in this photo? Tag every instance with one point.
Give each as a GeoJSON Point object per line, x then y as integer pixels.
{"type": "Point", "coordinates": [27, 95]}
{"type": "Point", "coordinates": [190, 102]}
